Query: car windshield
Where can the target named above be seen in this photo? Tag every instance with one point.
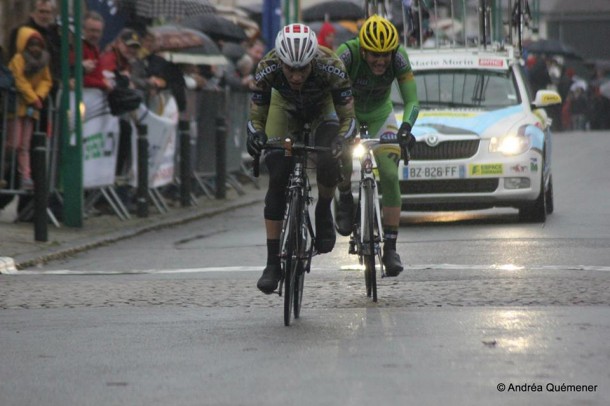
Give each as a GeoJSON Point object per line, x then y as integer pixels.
{"type": "Point", "coordinates": [465, 89]}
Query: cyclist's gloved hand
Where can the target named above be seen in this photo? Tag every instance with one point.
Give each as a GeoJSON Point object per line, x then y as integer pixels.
{"type": "Point", "coordinates": [255, 143]}
{"type": "Point", "coordinates": [405, 138]}
{"type": "Point", "coordinates": [336, 147]}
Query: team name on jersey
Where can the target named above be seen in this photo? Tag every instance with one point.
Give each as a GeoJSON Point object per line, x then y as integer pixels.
{"type": "Point", "coordinates": [265, 71]}
{"type": "Point", "coordinates": [332, 69]}
{"type": "Point", "coordinates": [346, 57]}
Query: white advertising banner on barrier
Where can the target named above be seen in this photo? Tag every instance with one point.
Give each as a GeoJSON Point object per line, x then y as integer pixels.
{"type": "Point", "coordinates": [161, 137]}
{"type": "Point", "coordinates": [100, 140]}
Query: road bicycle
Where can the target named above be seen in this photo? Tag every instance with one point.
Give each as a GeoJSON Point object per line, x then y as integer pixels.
{"type": "Point", "coordinates": [367, 230]}
{"type": "Point", "coordinates": [297, 238]}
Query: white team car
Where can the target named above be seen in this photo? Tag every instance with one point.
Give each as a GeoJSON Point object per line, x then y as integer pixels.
{"type": "Point", "coordinates": [483, 140]}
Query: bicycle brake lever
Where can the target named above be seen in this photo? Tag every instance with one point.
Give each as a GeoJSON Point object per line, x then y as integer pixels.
{"type": "Point", "coordinates": [406, 155]}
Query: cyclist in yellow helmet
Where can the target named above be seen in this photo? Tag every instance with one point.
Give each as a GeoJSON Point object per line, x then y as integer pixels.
{"type": "Point", "coordinates": [373, 61]}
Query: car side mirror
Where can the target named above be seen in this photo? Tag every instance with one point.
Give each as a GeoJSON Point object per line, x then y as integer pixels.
{"type": "Point", "coordinates": [546, 98]}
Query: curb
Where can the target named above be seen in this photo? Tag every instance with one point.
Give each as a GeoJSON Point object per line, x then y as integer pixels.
{"type": "Point", "coordinates": [11, 265]}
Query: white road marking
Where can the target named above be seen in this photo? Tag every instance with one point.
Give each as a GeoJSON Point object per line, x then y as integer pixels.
{"type": "Point", "coordinates": [347, 268]}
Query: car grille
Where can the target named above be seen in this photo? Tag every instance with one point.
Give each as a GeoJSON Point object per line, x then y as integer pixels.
{"type": "Point", "coordinates": [445, 150]}
{"type": "Point", "coordinates": [487, 185]}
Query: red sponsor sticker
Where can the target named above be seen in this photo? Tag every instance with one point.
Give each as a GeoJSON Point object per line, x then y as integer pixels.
{"type": "Point", "coordinates": [296, 29]}
{"type": "Point", "coordinates": [497, 63]}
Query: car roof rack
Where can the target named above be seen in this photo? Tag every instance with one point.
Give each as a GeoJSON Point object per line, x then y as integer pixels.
{"type": "Point", "coordinates": [508, 37]}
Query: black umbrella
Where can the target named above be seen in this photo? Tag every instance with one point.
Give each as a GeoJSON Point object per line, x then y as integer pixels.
{"type": "Point", "coordinates": [206, 54]}
{"type": "Point", "coordinates": [333, 10]}
{"type": "Point", "coordinates": [233, 51]}
{"type": "Point", "coordinates": [219, 28]}
{"type": "Point", "coordinates": [170, 9]}
{"type": "Point", "coordinates": [550, 47]}
{"type": "Point", "coordinates": [171, 37]}
{"type": "Point", "coordinates": [186, 45]}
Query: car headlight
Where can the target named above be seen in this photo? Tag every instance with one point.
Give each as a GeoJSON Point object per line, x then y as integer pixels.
{"type": "Point", "coordinates": [510, 144]}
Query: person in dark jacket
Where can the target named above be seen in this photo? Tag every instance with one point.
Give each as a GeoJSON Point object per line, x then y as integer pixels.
{"type": "Point", "coordinates": [152, 73]}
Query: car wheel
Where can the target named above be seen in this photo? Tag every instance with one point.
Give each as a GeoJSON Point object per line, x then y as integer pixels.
{"type": "Point", "coordinates": [550, 206]}
{"type": "Point", "coordinates": [536, 212]}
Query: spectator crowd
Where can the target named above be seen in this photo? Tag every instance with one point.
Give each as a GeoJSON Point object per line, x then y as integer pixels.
{"type": "Point", "coordinates": [585, 99]}
{"type": "Point", "coordinates": [31, 66]}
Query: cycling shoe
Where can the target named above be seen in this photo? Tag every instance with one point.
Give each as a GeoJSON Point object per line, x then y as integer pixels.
{"type": "Point", "coordinates": [391, 262]}
{"type": "Point", "coordinates": [268, 282]}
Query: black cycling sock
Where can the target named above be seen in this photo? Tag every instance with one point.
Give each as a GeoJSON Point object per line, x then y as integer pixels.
{"type": "Point", "coordinates": [323, 206]}
{"type": "Point", "coordinates": [389, 239]}
{"type": "Point", "coordinates": [273, 251]}
{"type": "Point", "coordinates": [346, 196]}
{"type": "Point", "coordinates": [344, 189]}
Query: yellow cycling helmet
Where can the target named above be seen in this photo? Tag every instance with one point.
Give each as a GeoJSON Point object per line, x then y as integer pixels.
{"type": "Point", "coordinates": [378, 35]}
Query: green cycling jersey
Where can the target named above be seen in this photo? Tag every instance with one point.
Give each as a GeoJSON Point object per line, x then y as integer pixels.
{"type": "Point", "coordinates": [374, 106]}
{"type": "Point", "coordinates": [372, 92]}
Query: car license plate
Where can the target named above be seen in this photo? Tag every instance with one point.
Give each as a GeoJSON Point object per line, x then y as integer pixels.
{"type": "Point", "coordinates": [434, 172]}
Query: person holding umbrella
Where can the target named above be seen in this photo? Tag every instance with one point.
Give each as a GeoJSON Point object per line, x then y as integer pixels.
{"type": "Point", "coordinates": [374, 60]}
{"type": "Point", "coordinates": [299, 83]}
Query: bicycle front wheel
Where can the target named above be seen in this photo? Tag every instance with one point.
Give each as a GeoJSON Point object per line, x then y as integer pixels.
{"type": "Point", "coordinates": [368, 243]}
{"type": "Point", "coordinates": [290, 256]}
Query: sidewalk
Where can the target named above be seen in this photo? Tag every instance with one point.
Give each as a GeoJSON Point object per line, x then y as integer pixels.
{"type": "Point", "coordinates": [19, 250]}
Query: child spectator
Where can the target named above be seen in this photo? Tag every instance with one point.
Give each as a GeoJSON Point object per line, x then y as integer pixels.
{"type": "Point", "coordinates": [30, 68]}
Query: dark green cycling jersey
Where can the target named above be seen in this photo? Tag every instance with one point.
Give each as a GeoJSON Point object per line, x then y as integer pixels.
{"type": "Point", "coordinates": [327, 85]}
{"type": "Point", "coordinates": [371, 92]}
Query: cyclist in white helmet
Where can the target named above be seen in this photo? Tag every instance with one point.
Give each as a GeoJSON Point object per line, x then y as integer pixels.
{"type": "Point", "coordinates": [296, 83]}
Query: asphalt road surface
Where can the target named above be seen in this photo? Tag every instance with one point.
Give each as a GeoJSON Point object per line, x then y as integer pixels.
{"type": "Point", "coordinates": [489, 311]}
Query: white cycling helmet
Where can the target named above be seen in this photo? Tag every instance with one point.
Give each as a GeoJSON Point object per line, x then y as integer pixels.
{"type": "Point", "coordinates": [296, 45]}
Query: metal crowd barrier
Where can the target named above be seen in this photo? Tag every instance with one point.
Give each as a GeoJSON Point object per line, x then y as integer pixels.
{"type": "Point", "coordinates": [216, 121]}
{"type": "Point", "coordinates": [222, 115]}
{"type": "Point", "coordinates": [43, 141]}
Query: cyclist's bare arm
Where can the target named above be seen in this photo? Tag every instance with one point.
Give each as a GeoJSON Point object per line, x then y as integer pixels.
{"type": "Point", "coordinates": [408, 91]}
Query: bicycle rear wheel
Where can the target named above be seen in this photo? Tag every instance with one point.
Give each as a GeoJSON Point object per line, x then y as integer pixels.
{"type": "Point", "coordinates": [368, 234]}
